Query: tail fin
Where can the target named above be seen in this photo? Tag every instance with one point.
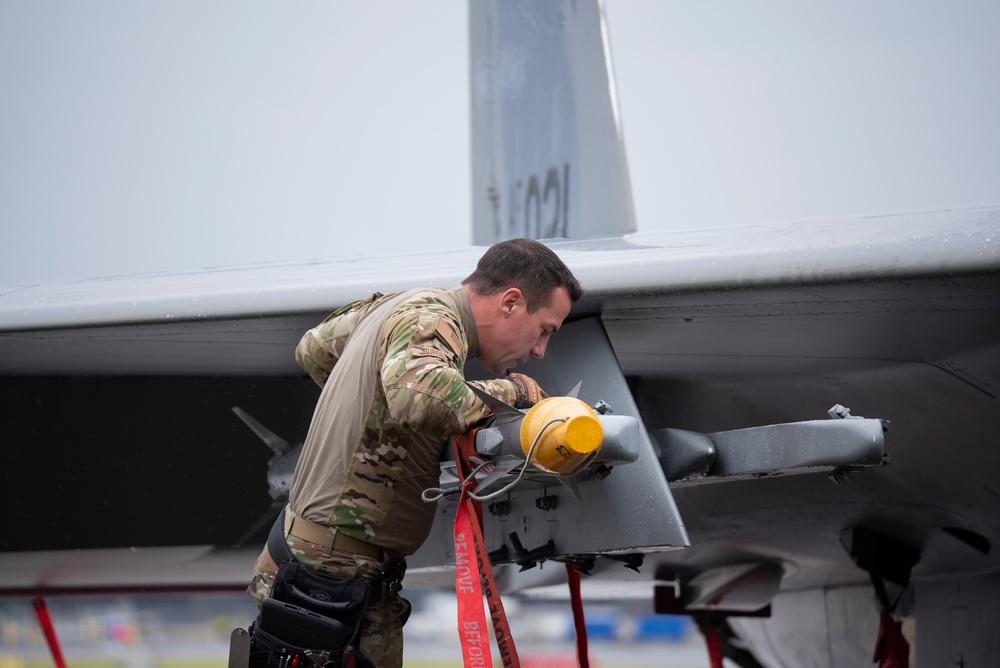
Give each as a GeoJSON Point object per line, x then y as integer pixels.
{"type": "Point", "coordinates": [548, 159]}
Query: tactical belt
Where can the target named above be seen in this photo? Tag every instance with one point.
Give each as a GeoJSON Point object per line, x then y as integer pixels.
{"type": "Point", "coordinates": [322, 534]}
{"type": "Point", "coordinates": [384, 586]}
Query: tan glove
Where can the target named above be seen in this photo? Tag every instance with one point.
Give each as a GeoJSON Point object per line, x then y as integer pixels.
{"type": "Point", "coordinates": [528, 391]}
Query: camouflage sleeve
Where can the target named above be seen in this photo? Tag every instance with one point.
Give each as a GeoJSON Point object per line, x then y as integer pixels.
{"type": "Point", "coordinates": [422, 375]}
{"type": "Point", "coordinates": [321, 347]}
{"type": "Point", "coordinates": [500, 388]}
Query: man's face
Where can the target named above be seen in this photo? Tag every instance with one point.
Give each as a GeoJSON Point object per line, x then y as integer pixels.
{"type": "Point", "coordinates": [520, 335]}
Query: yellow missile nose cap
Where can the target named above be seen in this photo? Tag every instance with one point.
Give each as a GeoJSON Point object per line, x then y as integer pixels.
{"type": "Point", "coordinates": [583, 434]}
{"type": "Point", "coordinates": [567, 445]}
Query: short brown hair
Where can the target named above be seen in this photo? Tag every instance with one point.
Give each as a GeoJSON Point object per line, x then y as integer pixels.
{"type": "Point", "coordinates": [525, 264]}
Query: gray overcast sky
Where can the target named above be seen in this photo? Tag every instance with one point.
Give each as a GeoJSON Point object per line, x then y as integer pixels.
{"type": "Point", "coordinates": [139, 137]}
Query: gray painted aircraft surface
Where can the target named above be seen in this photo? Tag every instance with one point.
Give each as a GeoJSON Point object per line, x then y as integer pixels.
{"type": "Point", "coordinates": [736, 363]}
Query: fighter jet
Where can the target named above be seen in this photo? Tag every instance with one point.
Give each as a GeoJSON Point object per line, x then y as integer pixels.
{"type": "Point", "coordinates": [791, 426]}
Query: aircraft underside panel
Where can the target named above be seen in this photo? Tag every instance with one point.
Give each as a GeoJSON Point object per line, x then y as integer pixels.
{"type": "Point", "coordinates": [956, 620]}
{"type": "Point", "coordinates": [829, 628]}
{"type": "Point", "coordinates": [945, 621]}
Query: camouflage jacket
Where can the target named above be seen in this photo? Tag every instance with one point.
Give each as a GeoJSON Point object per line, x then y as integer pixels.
{"type": "Point", "coordinates": [391, 368]}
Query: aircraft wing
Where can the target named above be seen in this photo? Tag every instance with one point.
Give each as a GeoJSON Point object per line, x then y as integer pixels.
{"type": "Point", "coordinates": [118, 390]}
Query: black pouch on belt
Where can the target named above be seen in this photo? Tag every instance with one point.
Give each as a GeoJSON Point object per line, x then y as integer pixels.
{"type": "Point", "coordinates": [339, 598]}
{"type": "Point", "coordinates": [300, 628]}
{"type": "Point", "coordinates": [313, 611]}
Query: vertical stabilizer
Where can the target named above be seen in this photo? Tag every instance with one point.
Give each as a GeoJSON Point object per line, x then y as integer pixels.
{"type": "Point", "coordinates": [548, 159]}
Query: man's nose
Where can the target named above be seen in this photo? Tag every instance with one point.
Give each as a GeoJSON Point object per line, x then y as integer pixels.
{"type": "Point", "coordinates": [539, 349]}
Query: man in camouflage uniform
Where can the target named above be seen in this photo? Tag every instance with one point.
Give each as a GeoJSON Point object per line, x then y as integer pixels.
{"type": "Point", "coordinates": [393, 393]}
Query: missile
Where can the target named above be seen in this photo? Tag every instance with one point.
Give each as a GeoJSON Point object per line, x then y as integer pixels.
{"type": "Point", "coordinates": [561, 437]}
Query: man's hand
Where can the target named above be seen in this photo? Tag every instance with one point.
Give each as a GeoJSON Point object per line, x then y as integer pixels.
{"type": "Point", "coordinates": [528, 391]}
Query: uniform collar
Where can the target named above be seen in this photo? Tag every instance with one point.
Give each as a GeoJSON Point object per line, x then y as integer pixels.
{"type": "Point", "coordinates": [468, 322]}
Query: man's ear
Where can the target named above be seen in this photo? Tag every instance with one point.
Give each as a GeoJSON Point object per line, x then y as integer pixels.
{"type": "Point", "coordinates": [510, 298]}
